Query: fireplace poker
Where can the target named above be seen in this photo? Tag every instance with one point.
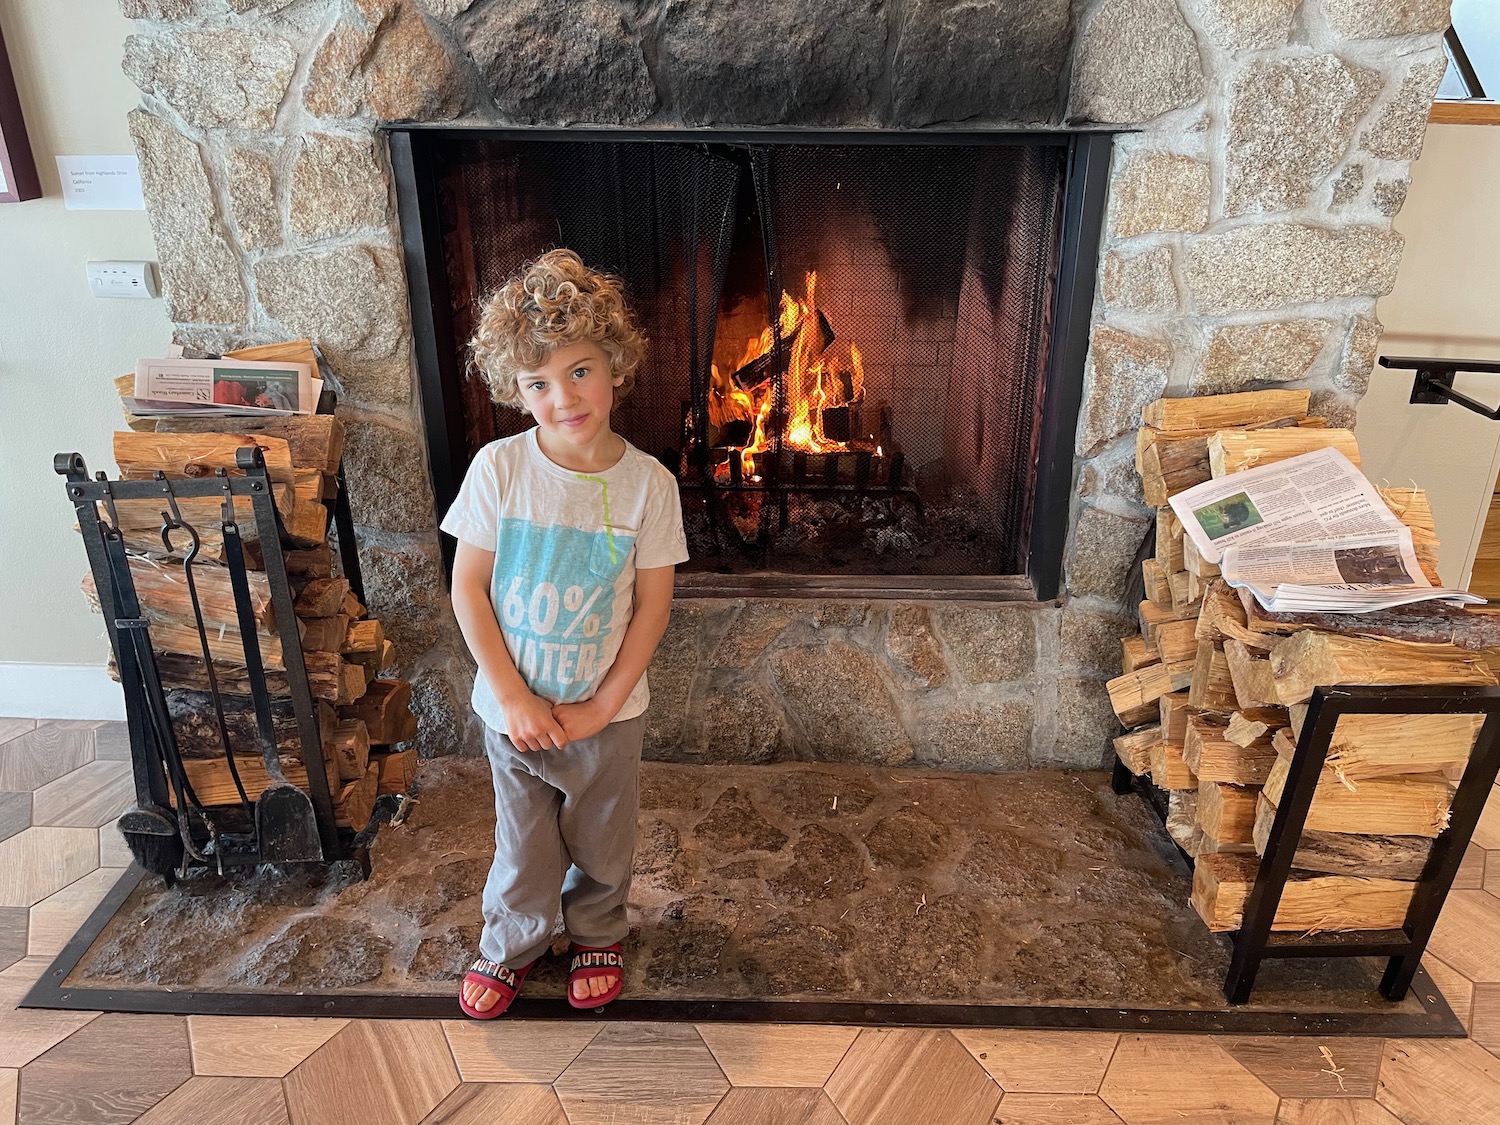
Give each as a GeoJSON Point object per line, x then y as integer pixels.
{"type": "Point", "coordinates": [172, 521]}
{"type": "Point", "coordinates": [285, 824]}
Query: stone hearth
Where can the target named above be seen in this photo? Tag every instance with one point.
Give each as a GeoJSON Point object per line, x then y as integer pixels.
{"type": "Point", "coordinates": [1263, 149]}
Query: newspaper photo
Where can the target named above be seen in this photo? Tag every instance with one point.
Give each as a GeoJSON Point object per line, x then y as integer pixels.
{"type": "Point", "coordinates": [1349, 575]}
{"type": "Point", "coordinates": [1308, 499]}
{"type": "Point", "coordinates": [224, 386]}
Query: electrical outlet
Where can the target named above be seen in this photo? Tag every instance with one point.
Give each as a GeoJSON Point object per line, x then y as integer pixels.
{"type": "Point", "coordinates": [122, 279]}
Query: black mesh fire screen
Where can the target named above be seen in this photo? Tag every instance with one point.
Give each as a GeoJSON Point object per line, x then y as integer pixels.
{"type": "Point", "coordinates": [849, 343]}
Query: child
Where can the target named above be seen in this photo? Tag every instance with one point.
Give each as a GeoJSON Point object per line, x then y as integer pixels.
{"type": "Point", "coordinates": [562, 585]}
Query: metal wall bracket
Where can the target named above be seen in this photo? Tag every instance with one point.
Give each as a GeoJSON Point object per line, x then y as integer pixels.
{"type": "Point", "coordinates": [1433, 385]}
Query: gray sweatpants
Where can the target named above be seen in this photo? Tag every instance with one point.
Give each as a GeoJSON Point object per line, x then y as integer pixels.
{"type": "Point", "coordinates": [564, 840]}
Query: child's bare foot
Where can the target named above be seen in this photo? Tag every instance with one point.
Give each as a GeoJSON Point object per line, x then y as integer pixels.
{"type": "Point", "coordinates": [489, 987]}
{"type": "Point", "coordinates": [595, 975]}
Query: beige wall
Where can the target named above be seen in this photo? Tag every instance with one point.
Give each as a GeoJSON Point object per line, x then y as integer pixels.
{"type": "Point", "coordinates": [60, 347]}
{"type": "Point", "coordinates": [1446, 303]}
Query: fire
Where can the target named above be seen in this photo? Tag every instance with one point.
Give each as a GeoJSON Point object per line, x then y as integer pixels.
{"type": "Point", "coordinates": [817, 379]}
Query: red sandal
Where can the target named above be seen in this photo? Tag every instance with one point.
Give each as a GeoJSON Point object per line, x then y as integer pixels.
{"type": "Point", "coordinates": [591, 961]}
{"type": "Point", "coordinates": [497, 978]}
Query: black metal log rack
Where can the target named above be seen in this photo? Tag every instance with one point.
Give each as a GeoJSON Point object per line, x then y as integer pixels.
{"type": "Point", "coordinates": [152, 741]}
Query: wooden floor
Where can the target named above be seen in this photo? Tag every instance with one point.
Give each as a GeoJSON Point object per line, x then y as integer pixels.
{"type": "Point", "coordinates": [62, 783]}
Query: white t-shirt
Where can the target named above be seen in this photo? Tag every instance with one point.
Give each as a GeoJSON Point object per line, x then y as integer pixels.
{"type": "Point", "coordinates": [567, 546]}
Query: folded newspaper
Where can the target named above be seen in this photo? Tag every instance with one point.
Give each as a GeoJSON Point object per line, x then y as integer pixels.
{"type": "Point", "coordinates": [223, 386]}
{"type": "Point", "coordinates": [1308, 534]}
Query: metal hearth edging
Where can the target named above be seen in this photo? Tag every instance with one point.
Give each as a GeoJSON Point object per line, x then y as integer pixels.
{"type": "Point", "coordinates": [1437, 1020]}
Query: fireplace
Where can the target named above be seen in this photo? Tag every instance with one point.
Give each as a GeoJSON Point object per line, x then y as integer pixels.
{"type": "Point", "coordinates": [899, 420]}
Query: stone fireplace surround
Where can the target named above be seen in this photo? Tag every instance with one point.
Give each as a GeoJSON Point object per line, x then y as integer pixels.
{"type": "Point", "coordinates": [1263, 150]}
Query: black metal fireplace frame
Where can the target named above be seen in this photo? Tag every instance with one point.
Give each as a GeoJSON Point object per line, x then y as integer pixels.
{"type": "Point", "coordinates": [1084, 195]}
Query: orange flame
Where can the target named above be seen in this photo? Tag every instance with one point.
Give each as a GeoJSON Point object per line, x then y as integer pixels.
{"type": "Point", "coordinates": [817, 379]}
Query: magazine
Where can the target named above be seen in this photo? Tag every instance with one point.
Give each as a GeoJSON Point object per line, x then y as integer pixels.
{"type": "Point", "coordinates": [223, 386]}
{"type": "Point", "coordinates": [1308, 534]}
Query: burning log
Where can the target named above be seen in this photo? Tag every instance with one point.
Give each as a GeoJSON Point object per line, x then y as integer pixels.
{"type": "Point", "coordinates": [763, 368]}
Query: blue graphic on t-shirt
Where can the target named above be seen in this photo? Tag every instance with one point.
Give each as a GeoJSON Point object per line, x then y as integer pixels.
{"type": "Point", "coordinates": [554, 594]}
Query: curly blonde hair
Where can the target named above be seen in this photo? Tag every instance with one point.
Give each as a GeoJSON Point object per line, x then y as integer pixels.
{"type": "Point", "coordinates": [551, 303]}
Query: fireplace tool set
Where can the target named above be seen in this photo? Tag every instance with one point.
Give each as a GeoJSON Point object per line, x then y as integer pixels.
{"type": "Point", "coordinates": [169, 829]}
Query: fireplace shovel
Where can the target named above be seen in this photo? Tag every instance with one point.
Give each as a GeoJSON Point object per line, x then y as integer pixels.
{"type": "Point", "coordinates": [285, 824]}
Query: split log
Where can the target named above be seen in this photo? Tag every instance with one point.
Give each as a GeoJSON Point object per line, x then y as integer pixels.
{"type": "Point", "coordinates": [1217, 412]}
{"type": "Point", "coordinates": [1134, 749]}
{"type": "Point", "coordinates": [363, 638]}
{"type": "Point", "coordinates": [324, 674]}
{"type": "Point", "coordinates": [1346, 853]}
{"type": "Point", "coordinates": [1175, 644]}
{"type": "Point", "coordinates": [1151, 616]}
{"type": "Point", "coordinates": [314, 562]}
{"type": "Point", "coordinates": [314, 441]}
{"type": "Point", "coordinates": [196, 726]}
{"type": "Point", "coordinates": [306, 527]}
{"type": "Point", "coordinates": [1136, 653]}
{"type": "Point", "coordinates": [1174, 712]}
{"type": "Point", "coordinates": [283, 351]}
{"type": "Point", "coordinates": [1307, 660]}
{"type": "Point", "coordinates": [1154, 578]}
{"type": "Point", "coordinates": [1419, 623]}
{"type": "Point", "coordinates": [1234, 451]}
{"type": "Point", "coordinates": [1184, 600]}
{"type": "Point", "coordinates": [352, 607]}
{"type": "Point", "coordinates": [1254, 685]}
{"type": "Point", "coordinates": [1253, 725]}
{"type": "Point", "coordinates": [1194, 563]}
{"type": "Point", "coordinates": [197, 455]}
{"type": "Point", "coordinates": [1215, 759]}
{"type": "Point", "coordinates": [1212, 689]}
{"type": "Point", "coordinates": [1208, 844]}
{"type": "Point", "coordinates": [386, 710]}
{"type": "Point", "coordinates": [355, 681]}
{"type": "Point", "coordinates": [1182, 820]}
{"type": "Point", "coordinates": [324, 634]}
{"type": "Point", "coordinates": [1366, 746]}
{"type": "Point", "coordinates": [163, 593]}
{"type": "Point", "coordinates": [322, 597]}
{"type": "Point", "coordinates": [355, 803]}
{"type": "Point", "coordinates": [1309, 903]}
{"type": "Point", "coordinates": [349, 747]}
{"type": "Point", "coordinates": [1408, 805]}
{"type": "Point", "coordinates": [1223, 616]}
{"type": "Point", "coordinates": [1134, 695]}
{"type": "Point", "coordinates": [398, 770]}
{"type": "Point", "coordinates": [140, 524]}
{"type": "Point", "coordinates": [1412, 508]}
{"type": "Point", "coordinates": [213, 784]}
{"type": "Point", "coordinates": [1170, 466]}
{"type": "Point", "coordinates": [1227, 813]}
{"type": "Point", "coordinates": [1168, 767]}
{"type": "Point", "coordinates": [1170, 540]}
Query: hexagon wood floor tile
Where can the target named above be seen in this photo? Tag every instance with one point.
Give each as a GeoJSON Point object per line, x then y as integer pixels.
{"type": "Point", "coordinates": [1342, 1111]}
{"type": "Point", "coordinates": [14, 921]}
{"type": "Point", "coordinates": [26, 1033]}
{"type": "Point", "coordinates": [113, 851]}
{"type": "Point", "coordinates": [86, 798]}
{"type": "Point", "coordinates": [1295, 1067]}
{"type": "Point", "coordinates": [777, 1055]}
{"type": "Point", "coordinates": [256, 1046]}
{"type": "Point", "coordinates": [646, 1073]}
{"type": "Point", "coordinates": [107, 1073]}
{"type": "Point", "coordinates": [1486, 1025]}
{"type": "Point", "coordinates": [1471, 871]}
{"type": "Point", "coordinates": [499, 1103]}
{"type": "Point", "coordinates": [41, 861]}
{"type": "Point", "coordinates": [535, 1051]}
{"type": "Point", "coordinates": [898, 1076]}
{"type": "Point", "coordinates": [9, 1079]}
{"type": "Point", "coordinates": [1169, 1079]}
{"type": "Point", "coordinates": [373, 1072]}
{"type": "Point", "coordinates": [15, 813]}
{"type": "Point", "coordinates": [1054, 1109]}
{"type": "Point", "coordinates": [749, 1105]}
{"type": "Point", "coordinates": [14, 728]}
{"type": "Point", "coordinates": [1465, 935]}
{"type": "Point", "coordinates": [221, 1101]}
{"type": "Point", "coordinates": [112, 743]}
{"type": "Point", "coordinates": [43, 755]}
{"type": "Point", "coordinates": [1456, 988]}
{"type": "Point", "coordinates": [1438, 1081]}
{"type": "Point", "coordinates": [57, 917]}
{"type": "Point", "coordinates": [1042, 1062]}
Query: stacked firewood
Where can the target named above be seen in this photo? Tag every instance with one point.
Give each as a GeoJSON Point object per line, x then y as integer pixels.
{"type": "Point", "coordinates": [1214, 691]}
{"type": "Point", "coordinates": [362, 715]}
